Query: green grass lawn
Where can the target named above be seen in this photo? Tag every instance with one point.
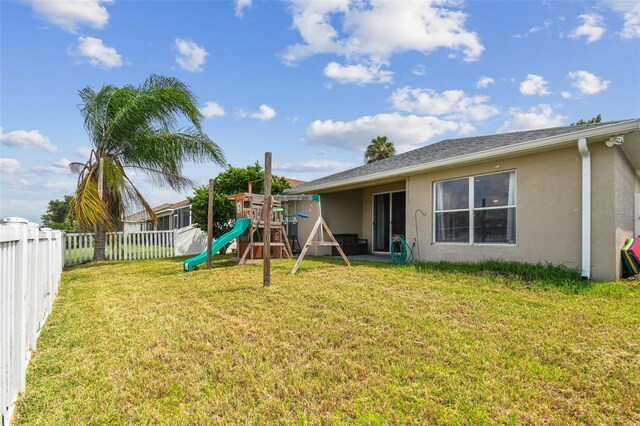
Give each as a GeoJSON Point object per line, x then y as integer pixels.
{"type": "Point", "coordinates": [144, 342]}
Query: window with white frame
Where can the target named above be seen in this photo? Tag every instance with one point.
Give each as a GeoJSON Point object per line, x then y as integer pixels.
{"type": "Point", "coordinates": [477, 209]}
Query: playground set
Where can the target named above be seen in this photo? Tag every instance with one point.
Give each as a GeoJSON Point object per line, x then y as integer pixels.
{"type": "Point", "coordinates": [261, 237]}
{"type": "Point", "coordinates": [283, 214]}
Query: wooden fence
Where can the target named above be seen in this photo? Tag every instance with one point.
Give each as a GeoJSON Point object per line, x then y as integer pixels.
{"type": "Point", "coordinates": [121, 246]}
{"type": "Point", "coordinates": [31, 261]}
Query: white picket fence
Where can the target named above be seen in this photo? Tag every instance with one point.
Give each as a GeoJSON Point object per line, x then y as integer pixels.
{"type": "Point", "coordinates": [121, 246]}
{"type": "Point", "coordinates": [31, 261]}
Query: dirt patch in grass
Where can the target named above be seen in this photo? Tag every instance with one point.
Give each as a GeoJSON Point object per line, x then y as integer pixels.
{"type": "Point", "coordinates": [143, 342]}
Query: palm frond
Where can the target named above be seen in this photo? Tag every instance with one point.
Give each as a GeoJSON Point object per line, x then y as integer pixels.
{"type": "Point", "coordinates": [156, 104]}
{"type": "Point", "coordinates": [114, 187]}
{"type": "Point", "coordinates": [172, 149]}
{"type": "Point", "coordinates": [77, 168]}
{"type": "Point", "coordinates": [87, 207]}
{"type": "Point", "coordinates": [134, 194]}
{"type": "Point", "coordinates": [164, 178]}
{"type": "Point", "coordinates": [379, 149]}
{"type": "Point", "coordinates": [94, 111]}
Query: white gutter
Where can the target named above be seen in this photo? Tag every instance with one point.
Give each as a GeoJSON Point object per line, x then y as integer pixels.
{"type": "Point", "coordinates": [586, 208]}
{"type": "Point", "coordinates": [523, 147]}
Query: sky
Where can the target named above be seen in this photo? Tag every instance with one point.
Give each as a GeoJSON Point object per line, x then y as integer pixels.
{"type": "Point", "coordinates": [310, 81]}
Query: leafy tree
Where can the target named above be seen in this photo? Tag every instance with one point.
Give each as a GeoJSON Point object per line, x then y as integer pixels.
{"type": "Point", "coordinates": [135, 129]}
{"type": "Point", "coordinates": [596, 119]}
{"type": "Point", "coordinates": [58, 215]}
{"type": "Point", "coordinates": [234, 180]}
{"type": "Point", "coordinates": [379, 149]}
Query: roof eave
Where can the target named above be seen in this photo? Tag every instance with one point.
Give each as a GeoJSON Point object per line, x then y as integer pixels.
{"type": "Point", "coordinates": [552, 142]}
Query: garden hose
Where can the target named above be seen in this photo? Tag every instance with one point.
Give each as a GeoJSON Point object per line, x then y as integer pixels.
{"type": "Point", "coordinates": [404, 254]}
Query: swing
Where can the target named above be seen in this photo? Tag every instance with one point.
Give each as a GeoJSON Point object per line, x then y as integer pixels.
{"type": "Point", "coordinates": [291, 217]}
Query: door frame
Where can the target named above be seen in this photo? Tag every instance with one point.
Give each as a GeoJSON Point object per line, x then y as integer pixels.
{"type": "Point", "coordinates": [373, 217]}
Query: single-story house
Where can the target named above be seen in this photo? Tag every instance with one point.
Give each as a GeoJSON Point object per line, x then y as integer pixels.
{"type": "Point", "coordinates": [565, 195]}
{"type": "Point", "coordinates": [171, 216]}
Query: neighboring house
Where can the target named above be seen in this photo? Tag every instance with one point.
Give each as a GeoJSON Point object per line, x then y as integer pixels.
{"type": "Point", "coordinates": [563, 195]}
{"type": "Point", "coordinates": [294, 182]}
{"type": "Point", "coordinates": [170, 216]}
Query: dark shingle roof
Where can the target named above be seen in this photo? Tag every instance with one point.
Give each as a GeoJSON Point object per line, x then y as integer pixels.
{"type": "Point", "coordinates": [446, 149]}
{"type": "Point", "coordinates": [177, 205]}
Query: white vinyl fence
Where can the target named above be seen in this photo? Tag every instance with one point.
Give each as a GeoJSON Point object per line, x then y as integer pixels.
{"type": "Point", "coordinates": [121, 246]}
{"type": "Point", "coordinates": [31, 261]}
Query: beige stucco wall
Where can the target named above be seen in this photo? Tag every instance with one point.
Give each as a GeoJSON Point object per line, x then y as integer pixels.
{"type": "Point", "coordinates": [603, 222]}
{"type": "Point", "coordinates": [626, 183]}
{"type": "Point", "coordinates": [305, 225]}
{"type": "Point", "coordinates": [342, 211]}
{"type": "Point", "coordinates": [547, 213]}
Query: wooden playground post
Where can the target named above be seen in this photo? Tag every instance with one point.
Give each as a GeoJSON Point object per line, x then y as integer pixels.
{"type": "Point", "coordinates": [210, 224]}
{"type": "Point", "coordinates": [266, 208]}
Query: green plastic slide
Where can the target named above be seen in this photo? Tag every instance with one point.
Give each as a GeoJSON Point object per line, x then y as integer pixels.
{"type": "Point", "coordinates": [238, 229]}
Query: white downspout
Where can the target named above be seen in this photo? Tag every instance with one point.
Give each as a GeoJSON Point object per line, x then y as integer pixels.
{"type": "Point", "coordinates": [586, 208]}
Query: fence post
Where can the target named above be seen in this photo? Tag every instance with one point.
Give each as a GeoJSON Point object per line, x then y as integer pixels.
{"type": "Point", "coordinates": [17, 350]}
{"type": "Point", "coordinates": [32, 316]}
{"type": "Point", "coordinates": [57, 238]}
{"type": "Point", "coordinates": [63, 250]}
{"type": "Point", "coordinates": [45, 233]}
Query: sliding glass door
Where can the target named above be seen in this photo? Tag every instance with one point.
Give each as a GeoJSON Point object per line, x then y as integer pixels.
{"type": "Point", "coordinates": [389, 217]}
{"type": "Point", "coordinates": [381, 204]}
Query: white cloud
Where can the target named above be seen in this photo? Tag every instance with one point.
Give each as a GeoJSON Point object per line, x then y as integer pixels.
{"type": "Point", "coordinates": [450, 103]}
{"type": "Point", "coordinates": [630, 11]}
{"type": "Point", "coordinates": [59, 167]}
{"type": "Point", "coordinates": [10, 166]}
{"type": "Point", "coordinates": [212, 109]}
{"type": "Point", "coordinates": [592, 27]}
{"type": "Point", "coordinates": [240, 6]}
{"type": "Point", "coordinates": [15, 182]}
{"type": "Point", "coordinates": [359, 74]}
{"type": "Point", "coordinates": [406, 131]}
{"type": "Point", "coordinates": [27, 139]}
{"type": "Point", "coordinates": [191, 57]}
{"type": "Point", "coordinates": [587, 83]}
{"type": "Point", "coordinates": [566, 95]}
{"type": "Point", "coordinates": [71, 14]}
{"type": "Point", "coordinates": [538, 117]}
{"type": "Point", "coordinates": [327, 166]}
{"type": "Point", "coordinates": [59, 186]}
{"type": "Point", "coordinates": [419, 70]}
{"type": "Point", "coordinates": [536, 28]}
{"type": "Point", "coordinates": [484, 82]}
{"type": "Point", "coordinates": [378, 29]}
{"type": "Point", "coordinates": [264, 113]}
{"type": "Point", "coordinates": [83, 152]}
{"type": "Point", "coordinates": [97, 53]}
{"type": "Point", "coordinates": [63, 162]}
{"type": "Point", "coordinates": [534, 85]}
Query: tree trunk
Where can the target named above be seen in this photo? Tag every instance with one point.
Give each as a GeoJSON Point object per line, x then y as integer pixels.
{"type": "Point", "coordinates": [99, 243]}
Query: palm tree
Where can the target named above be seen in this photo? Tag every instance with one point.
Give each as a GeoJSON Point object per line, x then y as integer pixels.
{"type": "Point", "coordinates": [135, 129]}
{"type": "Point", "coordinates": [379, 149]}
